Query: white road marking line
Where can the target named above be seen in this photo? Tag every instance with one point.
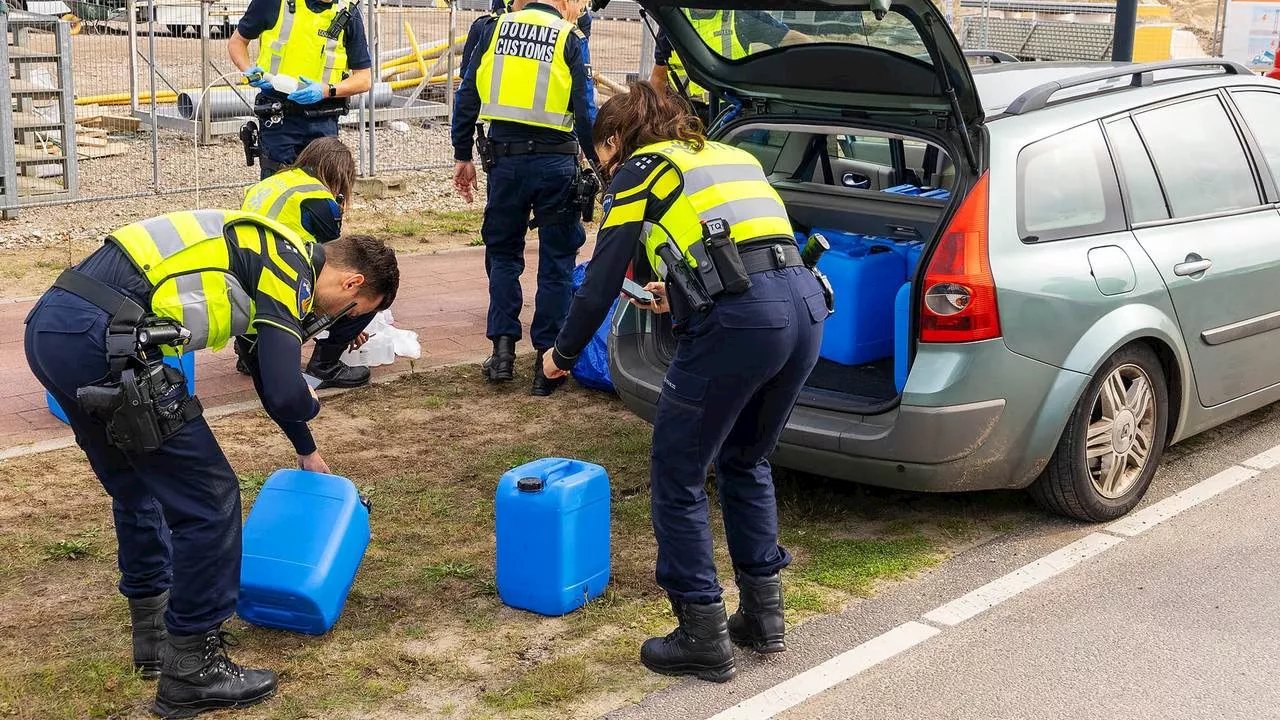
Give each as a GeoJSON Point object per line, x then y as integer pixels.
{"type": "Point", "coordinates": [1149, 517]}
{"type": "Point", "coordinates": [1264, 460]}
{"type": "Point", "coordinates": [1027, 576]}
{"type": "Point", "coordinates": [821, 678]}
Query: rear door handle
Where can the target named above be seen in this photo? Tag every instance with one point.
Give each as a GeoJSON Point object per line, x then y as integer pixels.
{"type": "Point", "coordinates": [1192, 266]}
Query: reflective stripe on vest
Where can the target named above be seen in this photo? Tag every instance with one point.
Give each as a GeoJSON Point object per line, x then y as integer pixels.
{"type": "Point", "coordinates": [280, 197]}
{"type": "Point", "coordinates": [186, 257]}
{"type": "Point", "coordinates": [719, 181]}
{"type": "Point", "coordinates": [523, 76]}
{"type": "Point", "coordinates": [295, 47]}
{"type": "Point", "coordinates": [719, 31]}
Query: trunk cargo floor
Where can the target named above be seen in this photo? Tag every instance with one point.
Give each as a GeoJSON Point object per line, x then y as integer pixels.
{"type": "Point", "coordinates": [873, 380]}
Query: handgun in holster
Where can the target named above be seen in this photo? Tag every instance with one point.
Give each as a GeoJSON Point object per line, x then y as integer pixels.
{"type": "Point", "coordinates": [249, 138]}
{"type": "Point", "coordinates": [484, 149]}
{"type": "Point", "coordinates": [684, 278]}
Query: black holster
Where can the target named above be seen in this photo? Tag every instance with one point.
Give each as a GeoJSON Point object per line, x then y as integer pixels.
{"type": "Point", "coordinates": [484, 149]}
{"type": "Point", "coordinates": [141, 400]}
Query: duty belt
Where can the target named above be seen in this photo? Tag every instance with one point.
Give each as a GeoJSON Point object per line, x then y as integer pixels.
{"type": "Point", "coordinates": [124, 314]}
{"type": "Point", "coordinates": [759, 256]}
{"type": "Point", "coordinates": [531, 147]}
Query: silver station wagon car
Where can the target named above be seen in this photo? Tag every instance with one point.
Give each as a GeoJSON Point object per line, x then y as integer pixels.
{"type": "Point", "coordinates": [1046, 273]}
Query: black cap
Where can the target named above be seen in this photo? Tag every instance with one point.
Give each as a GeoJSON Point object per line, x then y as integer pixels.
{"type": "Point", "coordinates": [529, 484]}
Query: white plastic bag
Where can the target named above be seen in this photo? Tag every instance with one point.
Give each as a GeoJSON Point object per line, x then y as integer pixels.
{"type": "Point", "coordinates": [386, 341]}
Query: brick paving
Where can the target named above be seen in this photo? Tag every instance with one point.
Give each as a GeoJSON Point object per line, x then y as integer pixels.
{"type": "Point", "coordinates": [443, 297]}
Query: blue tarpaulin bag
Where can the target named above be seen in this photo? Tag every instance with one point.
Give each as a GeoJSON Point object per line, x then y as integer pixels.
{"type": "Point", "coordinates": [592, 368]}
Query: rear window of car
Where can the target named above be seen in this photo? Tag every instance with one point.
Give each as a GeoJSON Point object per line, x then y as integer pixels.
{"type": "Point", "coordinates": [735, 34]}
{"type": "Point", "coordinates": [1261, 111]}
{"type": "Point", "coordinates": [1067, 187]}
{"type": "Point", "coordinates": [1197, 153]}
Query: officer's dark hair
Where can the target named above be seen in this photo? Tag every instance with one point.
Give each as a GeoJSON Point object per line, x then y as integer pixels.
{"type": "Point", "coordinates": [643, 116]}
{"type": "Point", "coordinates": [370, 257]}
{"type": "Point", "coordinates": [330, 161]}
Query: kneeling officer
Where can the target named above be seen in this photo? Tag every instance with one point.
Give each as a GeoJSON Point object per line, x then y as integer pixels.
{"type": "Point", "coordinates": [184, 281]}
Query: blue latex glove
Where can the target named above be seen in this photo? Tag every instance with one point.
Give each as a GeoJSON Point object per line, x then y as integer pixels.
{"type": "Point", "coordinates": [257, 77]}
{"type": "Point", "coordinates": [310, 93]}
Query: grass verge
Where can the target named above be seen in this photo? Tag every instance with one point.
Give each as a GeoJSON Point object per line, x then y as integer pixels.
{"type": "Point", "coordinates": [424, 633]}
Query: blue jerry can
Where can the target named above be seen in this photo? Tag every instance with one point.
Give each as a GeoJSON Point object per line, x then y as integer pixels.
{"type": "Point", "coordinates": [552, 518]}
{"type": "Point", "coordinates": [901, 335]}
{"type": "Point", "coordinates": [861, 329]}
{"type": "Point", "coordinates": [185, 362]}
{"type": "Point", "coordinates": [303, 542]}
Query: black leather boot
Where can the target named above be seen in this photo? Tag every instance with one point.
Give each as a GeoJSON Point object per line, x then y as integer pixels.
{"type": "Point", "coordinates": [700, 646]}
{"type": "Point", "coordinates": [332, 372]}
{"type": "Point", "coordinates": [759, 622]}
{"type": "Point", "coordinates": [501, 365]}
{"type": "Point", "coordinates": [146, 615]}
{"type": "Point", "coordinates": [197, 676]}
{"type": "Point", "coordinates": [543, 386]}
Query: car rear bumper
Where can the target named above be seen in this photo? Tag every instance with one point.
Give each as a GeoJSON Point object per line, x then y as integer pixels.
{"type": "Point", "coordinates": [973, 417]}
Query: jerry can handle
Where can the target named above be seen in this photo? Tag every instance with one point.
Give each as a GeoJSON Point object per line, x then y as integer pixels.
{"type": "Point", "coordinates": [558, 469]}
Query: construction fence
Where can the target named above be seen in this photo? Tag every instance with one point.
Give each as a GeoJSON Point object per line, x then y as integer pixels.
{"type": "Point", "coordinates": [117, 99]}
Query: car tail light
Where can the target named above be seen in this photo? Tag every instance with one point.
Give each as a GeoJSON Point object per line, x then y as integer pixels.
{"type": "Point", "coordinates": [959, 291]}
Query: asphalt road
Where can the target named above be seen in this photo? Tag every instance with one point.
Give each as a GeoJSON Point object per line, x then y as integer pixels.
{"type": "Point", "coordinates": [1181, 621]}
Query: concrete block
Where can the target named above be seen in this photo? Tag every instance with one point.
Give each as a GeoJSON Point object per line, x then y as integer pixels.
{"type": "Point", "coordinates": [381, 186]}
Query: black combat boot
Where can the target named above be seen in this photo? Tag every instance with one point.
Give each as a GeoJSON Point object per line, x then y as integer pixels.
{"type": "Point", "coordinates": [197, 676]}
{"type": "Point", "coordinates": [700, 646]}
{"type": "Point", "coordinates": [501, 365]}
{"type": "Point", "coordinates": [543, 386]}
{"type": "Point", "coordinates": [147, 617]}
{"type": "Point", "coordinates": [759, 624]}
{"type": "Point", "coordinates": [243, 348]}
{"type": "Point", "coordinates": [332, 372]}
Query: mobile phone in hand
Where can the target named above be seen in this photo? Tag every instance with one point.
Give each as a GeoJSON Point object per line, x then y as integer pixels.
{"type": "Point", "coordinates": [633, 290]}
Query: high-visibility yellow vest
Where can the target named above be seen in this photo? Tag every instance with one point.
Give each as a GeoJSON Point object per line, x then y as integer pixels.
{"type": "Point", "coordinates": [719, 182]}
{"type": "Point", "coordinates": [523, 76]}
{"type": "Point", "coordinates": [187, 259]}
{"type": "Point", "coordinates": [294, 46]}
{"type": "Point", "coordinates": [719, 31]}
{"type": "Point", "coordinates": [280, 197]}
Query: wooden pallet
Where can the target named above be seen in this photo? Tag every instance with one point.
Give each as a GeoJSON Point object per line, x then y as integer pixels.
{"type": "Point", "coordinates": [111, 123]}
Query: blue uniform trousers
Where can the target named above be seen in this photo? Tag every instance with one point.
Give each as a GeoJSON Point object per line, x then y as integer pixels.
{"type": "Point", "coordinates": [281, 143]}
{"type": "Point", "coordinates": [177, 510]}
{"type": "Point", "coordinates": [726, 398]}
{"type": "Point", "coordinates": [518, 185]}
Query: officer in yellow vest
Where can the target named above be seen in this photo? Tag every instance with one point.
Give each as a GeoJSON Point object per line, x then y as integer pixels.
{"type": "Point", "coordinates": [747, 340]}
{"type": "Point", "coordinates": [320, 44]}
{"type": "Point", "coordinates": [528, 79]}
{"type": "Point", "coordinates": [309, 198]}
{"type": "Point", "coordinates": [178, 283]}
{"type": "Point", "coordinates": [730, 34]}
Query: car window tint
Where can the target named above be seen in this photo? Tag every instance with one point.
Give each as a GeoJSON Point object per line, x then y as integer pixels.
{"type": "Point", "coordinates": [1146, 201]}
{"type": "Point", "coordinates": [1199, 157]}
{"type": "Point", "coordinates": [1067, 187]}
{"type": "Point", "coordinates": [1261, 111]}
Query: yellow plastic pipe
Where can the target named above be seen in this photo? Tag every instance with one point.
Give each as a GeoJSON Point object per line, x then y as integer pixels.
{"type": "Point", "coordinates": [417, 52]}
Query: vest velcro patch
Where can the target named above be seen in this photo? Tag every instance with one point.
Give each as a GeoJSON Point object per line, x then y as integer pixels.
{"type": "Point", "coordinates": [532, 42]}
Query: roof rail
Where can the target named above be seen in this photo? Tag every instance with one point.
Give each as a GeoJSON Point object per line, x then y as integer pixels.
{"type": "Point", "coordinates": [995, 56]}
{"type": "Point", "coordinates": [1140, 75]}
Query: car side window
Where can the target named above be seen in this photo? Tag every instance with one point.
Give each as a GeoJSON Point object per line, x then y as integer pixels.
{"type": "Point", "coordinates": [1146, 200]}
{"type": "Point", "coordinates": [1067, 187]}
{"type": "Point", "coordinates": [1261, 111]}
{"type": "Point", "coordinates": [1199, 158]}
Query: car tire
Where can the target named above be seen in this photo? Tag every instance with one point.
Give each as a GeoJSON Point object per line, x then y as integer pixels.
{"type": "Point", "coordinates": [1113, 442]}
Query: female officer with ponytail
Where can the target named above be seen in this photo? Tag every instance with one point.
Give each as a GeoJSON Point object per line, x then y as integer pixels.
{"type": "Point", "coordinates": [740, 362]}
